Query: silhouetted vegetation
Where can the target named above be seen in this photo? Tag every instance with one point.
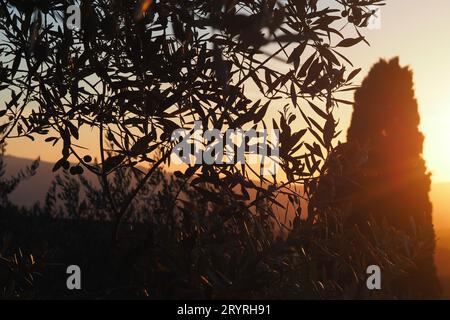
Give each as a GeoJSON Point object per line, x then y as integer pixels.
{"type": "Point", "coordinates": [133, 74]}
{"type": "Point", "coordinates": [180, 244]}
{"type": "Point", "coordinates": [393, 182]}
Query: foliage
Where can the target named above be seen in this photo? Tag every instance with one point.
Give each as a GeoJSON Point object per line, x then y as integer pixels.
{"type": "Point", "coordinates": [8, 185]}
{"type": "Point", "coordinates": [16, 269]}
{"type": "Point", "coordinates": [180, 244]}
{"type": "Point", "coordinates": [134, 74]}
{"type": "Point", "coordinates": [393, 181]}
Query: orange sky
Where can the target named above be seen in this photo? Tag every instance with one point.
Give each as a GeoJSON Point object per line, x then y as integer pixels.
{"type": "Point", "coordinates": [416, 30]}
{"type": "Point", "coordinates": [419, 32]}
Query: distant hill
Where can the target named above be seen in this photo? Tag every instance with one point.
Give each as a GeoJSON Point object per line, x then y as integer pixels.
{"type": "Point", "coordinates": [34, 189]}
{"type": "Point", "coordinates": [440, 197]}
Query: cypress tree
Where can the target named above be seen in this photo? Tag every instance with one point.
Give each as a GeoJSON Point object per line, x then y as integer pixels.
{"type": "Point", "coordinates": [395, 182]}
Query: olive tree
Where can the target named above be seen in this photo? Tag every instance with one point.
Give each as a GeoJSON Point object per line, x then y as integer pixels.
{"type": "Point", "coordinates": [135, 71]}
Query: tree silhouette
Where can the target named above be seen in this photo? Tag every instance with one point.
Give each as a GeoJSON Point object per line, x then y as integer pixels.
{"type": "Point", "coordinates": [394, 178]}
{"type": "Point", "coordinates": [135, 71]}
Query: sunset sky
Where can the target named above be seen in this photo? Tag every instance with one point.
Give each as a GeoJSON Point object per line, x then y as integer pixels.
{"type": "Point", "coordinates": [415, 30]}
